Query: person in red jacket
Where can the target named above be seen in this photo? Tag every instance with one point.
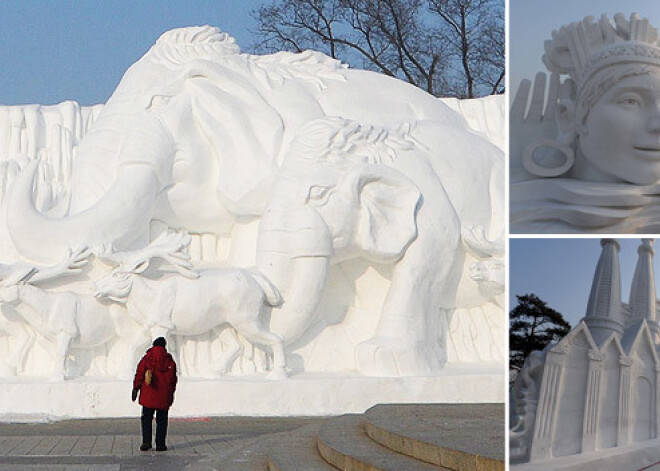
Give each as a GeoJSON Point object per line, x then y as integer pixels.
{"type": "Point", "coordinates": [155, 379]}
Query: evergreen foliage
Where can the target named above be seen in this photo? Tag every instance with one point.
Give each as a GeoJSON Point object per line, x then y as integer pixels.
{"type": "Point", "coordinates": [532, 326]}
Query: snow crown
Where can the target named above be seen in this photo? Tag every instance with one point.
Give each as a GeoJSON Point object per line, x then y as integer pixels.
{"type": "Point", "coordinates": [597, 54]}
{"type": "Point", "coordinates": [583, 48]}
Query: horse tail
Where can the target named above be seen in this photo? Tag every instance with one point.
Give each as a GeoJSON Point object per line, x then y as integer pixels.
{"type": "Point", "coordinates": [272, 295]}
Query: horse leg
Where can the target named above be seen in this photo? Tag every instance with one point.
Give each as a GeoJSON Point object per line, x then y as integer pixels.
{"type": "Point", "coordinates": [255, 333]}
{"type": "Point", "coordinates": [140, 339]}
{"type": "Point", "coordinates": [61, 350]}
{"type": "Point", "coordinates": [25, 338]}
{"type": "Point", "coordinates": [173, 347]}
{"type": "Point", "coordinates": [230, 354]}
{"type": "Point", "coordinates": [168, 333]}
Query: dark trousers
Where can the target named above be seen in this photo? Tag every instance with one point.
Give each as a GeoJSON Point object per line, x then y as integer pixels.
{"type": "Point", "coordinates": [161, 425]}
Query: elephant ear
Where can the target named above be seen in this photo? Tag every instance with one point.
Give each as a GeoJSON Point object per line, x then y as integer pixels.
{"type": "Point", "coordinates": [388, 204]}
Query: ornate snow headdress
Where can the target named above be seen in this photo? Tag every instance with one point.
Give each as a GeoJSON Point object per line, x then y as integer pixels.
{"type": "Point", "coordinates": [584, 49]}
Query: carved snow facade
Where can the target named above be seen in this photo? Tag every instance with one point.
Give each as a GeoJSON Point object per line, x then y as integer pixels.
{"type": "Point", "coordinates": [598, 387]}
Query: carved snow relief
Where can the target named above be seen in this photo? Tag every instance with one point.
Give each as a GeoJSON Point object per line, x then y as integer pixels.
{"type": "Point", "coordinates": [589, 160]}
{"type": "Point", "coordinates": [269, 215]}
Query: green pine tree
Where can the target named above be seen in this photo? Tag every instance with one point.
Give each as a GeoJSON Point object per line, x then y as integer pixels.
{"type": "Point", "coordinates": [532, 326]}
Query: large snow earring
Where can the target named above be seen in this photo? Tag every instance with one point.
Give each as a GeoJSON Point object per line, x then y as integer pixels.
{"type": "Point", "coordinates": [531, 165]}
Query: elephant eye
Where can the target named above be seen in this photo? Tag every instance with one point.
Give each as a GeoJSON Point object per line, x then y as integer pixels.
{"type": "Point", "coordinates": [318, 193]}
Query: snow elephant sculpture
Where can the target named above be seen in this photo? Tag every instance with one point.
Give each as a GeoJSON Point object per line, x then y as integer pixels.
{"type": "Point", "coordinates": [195, 133]}
{"type": "Point", "coordinates": [345, 191]}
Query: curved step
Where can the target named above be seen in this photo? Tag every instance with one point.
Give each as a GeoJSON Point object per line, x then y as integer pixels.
{"type": "Point", "coordinates": [343, 443]}
{"type": "Point", "coordinates": [461, 437]}
{"type": "Point", "coordinates": [296, 452]}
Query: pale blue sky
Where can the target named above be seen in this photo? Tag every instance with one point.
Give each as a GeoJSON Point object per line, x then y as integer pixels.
{"type": "Point", "coordinates": [78, 49]}
{"type": "Point", "coordinates": [560, 271]}
{"type": "Point", "coordinates": [531, 22]}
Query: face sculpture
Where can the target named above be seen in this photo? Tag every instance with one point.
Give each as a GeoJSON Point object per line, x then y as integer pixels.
{"type": "Point", "coordinates": [622, 139]}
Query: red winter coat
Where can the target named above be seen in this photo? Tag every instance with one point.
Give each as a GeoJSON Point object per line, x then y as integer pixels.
{"type": "Point", "coordinates": [160, 393]}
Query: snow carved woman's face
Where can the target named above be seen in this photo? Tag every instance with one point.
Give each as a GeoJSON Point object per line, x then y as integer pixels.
{"type": "Point", "coordinates": [622, 140]}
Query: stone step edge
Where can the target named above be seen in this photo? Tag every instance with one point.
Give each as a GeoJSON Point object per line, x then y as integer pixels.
{"type": "Point", "coordinates": [433, 454]}
{"type": "Point", "coordinates": [311, 431]}
{"type": "Point", "coordinates": [344, 460]}
{"type": "Point", "coordinates": [340, 460]}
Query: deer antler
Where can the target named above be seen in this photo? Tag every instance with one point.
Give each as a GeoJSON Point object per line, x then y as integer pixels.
{"type": "Point", "coordinates": [71, 264]}
{"type": "Point", "coordinates": [169, 247]}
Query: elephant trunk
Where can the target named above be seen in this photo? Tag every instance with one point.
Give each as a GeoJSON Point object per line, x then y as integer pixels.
{"type": "Point", "coordinates": [120, 216]}
{"type": "Point", "coordinates": [296, 260]}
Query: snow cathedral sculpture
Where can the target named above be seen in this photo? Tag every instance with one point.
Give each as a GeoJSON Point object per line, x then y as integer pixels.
{"type": "Point", "coordinates": [590, 162]}
{"type": "Point", "coordinates": [271, 215]}
{"type": "Point", "coordinates": [598, 387]}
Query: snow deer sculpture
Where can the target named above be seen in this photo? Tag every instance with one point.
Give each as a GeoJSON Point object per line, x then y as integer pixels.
{"type": "Point", "coordinates": [11, 318]}
{"type": "Point", "coordinates": [197, 302]}
{"type": "Point", "coordinates": [67, 319]}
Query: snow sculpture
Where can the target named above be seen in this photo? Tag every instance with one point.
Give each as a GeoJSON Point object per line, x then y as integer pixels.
{"type": "Point", "coordinates": [327, 211]}
{"type": "Point", "coordinates": [597, 387]}
{"type": "Point", "coordinates": [61, 318]}
{"type": "Point", "coordinates": [197, 303]}
{"type": "Point", "coordinates": [63, 314]}
{"type": "Point", "coordinates": [589, 162]}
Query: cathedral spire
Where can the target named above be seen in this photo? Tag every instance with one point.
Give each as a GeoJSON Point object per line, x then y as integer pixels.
{"type": "Point", "coordinates": [642, 292]}
{"type": "Point", "coordinates": [603, 314]}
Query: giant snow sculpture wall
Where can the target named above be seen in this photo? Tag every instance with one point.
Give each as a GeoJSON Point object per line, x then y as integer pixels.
{"type": "Point", "coordinates": [273, 216]}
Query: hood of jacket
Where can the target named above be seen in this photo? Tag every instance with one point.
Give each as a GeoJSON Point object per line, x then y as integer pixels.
{"type": "Point", "coordinates": [158, 359]}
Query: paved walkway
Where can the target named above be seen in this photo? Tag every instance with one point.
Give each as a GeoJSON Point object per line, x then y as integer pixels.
{"type": "Point", "coordinates": [113, 444]}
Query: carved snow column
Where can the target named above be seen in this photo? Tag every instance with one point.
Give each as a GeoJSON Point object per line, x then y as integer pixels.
{"type": "Point", "coordinates": [16, 120]}
{"type": "Point", "coordinates": [625, 388]}
{"type": "Point", "coordinates": [592, 403]}
{"type": "Point", "coordinates": [604, 314]}
{"type": "Point", "coordinates": [642, 292]}
{"type": "Point", "coordinates": [32, 116]}
{"type": "Point", "coordinates": [656, 421]}
{"type": "Point", "coordinates": [548, 405]}
{"type": "Point", "coordinates": [5, 132]}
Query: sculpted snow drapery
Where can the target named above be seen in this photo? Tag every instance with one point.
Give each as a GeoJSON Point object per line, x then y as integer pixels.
{"type": "Point", "coordinates": [288, 165]}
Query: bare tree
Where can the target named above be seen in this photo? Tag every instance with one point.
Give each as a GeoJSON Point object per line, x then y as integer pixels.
{"type": "Point", "coordinates": [475, 32]}
{"type": "Point", "coordinates": [409, 39]}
